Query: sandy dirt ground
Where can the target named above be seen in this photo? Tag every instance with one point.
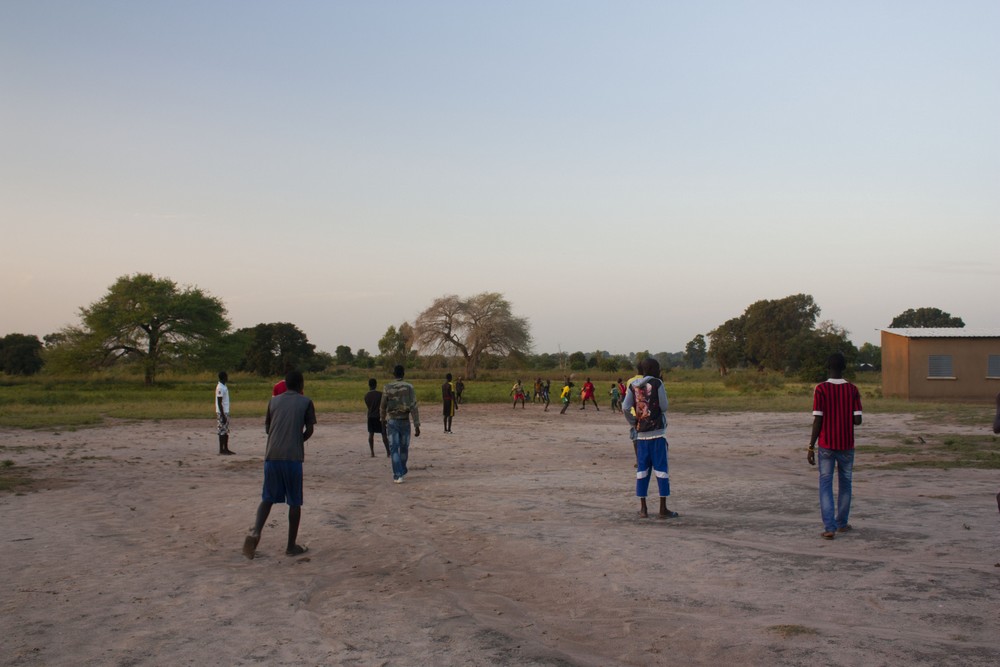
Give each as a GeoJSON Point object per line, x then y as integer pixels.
{"type": "Point", "coordinates": [514, 541]}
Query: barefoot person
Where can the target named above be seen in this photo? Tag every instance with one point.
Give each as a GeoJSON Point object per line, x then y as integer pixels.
{"type": "Point", "coordinates": [372, 401]}
{"type": "Point", "coordinates": [289, 423]}
{"type": "Point", "coordinates": [647, 397]}
{"type": "Point", "coordinates": [449, 402]}
{"type": "Point", "coordinates": [399, 402]}
{"type": "Point", "coordinates": [222, 413]}
{"type": "Point", "coordinates": [836, 411]}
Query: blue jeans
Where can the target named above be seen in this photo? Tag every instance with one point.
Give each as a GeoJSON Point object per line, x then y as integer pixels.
{"type": "Point", "coordinates": [844, 462]}
{"type": "Point", "coordinates": [398, 431]}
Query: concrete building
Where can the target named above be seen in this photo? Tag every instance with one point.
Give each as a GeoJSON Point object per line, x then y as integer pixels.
{"type": "Point", "coordinates": [941, 363]}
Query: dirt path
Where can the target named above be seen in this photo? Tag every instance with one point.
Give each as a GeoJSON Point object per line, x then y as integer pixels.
{"type": "Point", "coordinates": [512, 542]}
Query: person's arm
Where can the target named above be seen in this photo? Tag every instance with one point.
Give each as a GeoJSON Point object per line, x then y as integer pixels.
{"type": "Point", "coordinates": [382, 409]}
{"type": "Point", "coordinates": [267, 419]}
{"type": "Point", "coordinates": [415, 413]}
{"type": "Point", "coordinates": [813, 437]}
{"type": "Point", "coordinates": [857, 407]}
{"type": "Point", "coordinates": [627, 406]}
{"type": "Point", "coordinates": [218, 403]}
{"type": "Point", "coordinates": [310, 420]}
{"type": "Point", "coordinates": [662, 394]}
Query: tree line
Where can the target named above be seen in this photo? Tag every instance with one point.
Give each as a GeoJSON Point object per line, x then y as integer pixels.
{"type": "Point", "coordinates": [152, 323]}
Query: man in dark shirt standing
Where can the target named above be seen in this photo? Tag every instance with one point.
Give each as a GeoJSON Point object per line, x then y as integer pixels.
{"type": "Point", "coordinates": [836, 411]}
{"type": "Point", "coordinates": [289, 423]}
{"type": "Point", "coordinates": [372, 400]}
{"type": "Point", "coordinates": [449, 402]}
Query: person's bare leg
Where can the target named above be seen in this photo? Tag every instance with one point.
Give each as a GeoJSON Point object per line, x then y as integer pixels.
{"type": "Point", "coordinates": [253, 539]}
{"type": "Point", "coordinates": [643, 512]}
{"type": "Point", "coordinates": [663, 507]}
{"type": "Point", "coordinates": [371, 443]}
{"type": "Point", "coordinates": [294, 516]}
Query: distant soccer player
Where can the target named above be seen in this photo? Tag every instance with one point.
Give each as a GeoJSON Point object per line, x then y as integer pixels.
{"type": "Point", "coordinates": [587, 394]}
{"type": "Point", "coordinates": [836, 411]}
{"type": "Point", "coordinates": [449, 402]}
{"type": "Point", "coordinates": [372, 400]}
{"type": "Point", "coordinates": [566, 396]}
{"type": "Point", "coordinates": [517, 391]}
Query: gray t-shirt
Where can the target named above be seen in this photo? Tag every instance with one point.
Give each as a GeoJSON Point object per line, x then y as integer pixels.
{"type": "Point", "coordinates": [287, 416]}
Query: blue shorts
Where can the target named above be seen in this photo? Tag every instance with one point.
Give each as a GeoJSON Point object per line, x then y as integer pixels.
{"type": "Point", "coordinates": [283, 483]}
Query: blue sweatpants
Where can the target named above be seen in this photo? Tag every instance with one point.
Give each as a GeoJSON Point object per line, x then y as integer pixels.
{"type": "Point", "coordinates": [651, 456]}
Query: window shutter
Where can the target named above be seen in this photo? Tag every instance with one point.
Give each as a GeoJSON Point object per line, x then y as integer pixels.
{"type": "Point", "coordinates": [939, 366]}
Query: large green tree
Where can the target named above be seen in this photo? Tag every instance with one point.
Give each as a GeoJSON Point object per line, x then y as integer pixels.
{"type": "Point", "coordinates": [695, 352]}
{"type": "Point", "coordinates": [20, 354]}
{"type": "Point", "coordinates": [925, 318]}
{"type": "Point", "coordinates": [396, 346]}
{"type": "Point", "coordinates": [771, 327]}
{"type": "Point", "coordinates": [778, 335]}
{"type": "Point", "coordinates": [728, 345]}
{"type": "Point", "coordinates": [275, 348]}
{"type": "Point", "coordinates": [150, 320]}
{"type": "Point", "coordinates": [475, 326]}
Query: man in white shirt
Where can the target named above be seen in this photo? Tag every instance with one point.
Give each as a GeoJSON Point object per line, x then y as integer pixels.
{"type": "Point", "coordinates": [222, 413]}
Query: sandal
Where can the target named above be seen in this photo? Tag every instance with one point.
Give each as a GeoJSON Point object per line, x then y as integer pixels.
{"type": "Point", "coordinates": [828, 535]}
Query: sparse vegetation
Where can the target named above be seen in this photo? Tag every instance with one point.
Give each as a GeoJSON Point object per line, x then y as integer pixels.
{"type": "Point", "coordinates": [942, 451]}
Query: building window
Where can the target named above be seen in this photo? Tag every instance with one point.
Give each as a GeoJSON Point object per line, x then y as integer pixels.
{"type": "Point", "coordinates": [939, 366]}
{"type": "Point", "coordinates": [993, 366]}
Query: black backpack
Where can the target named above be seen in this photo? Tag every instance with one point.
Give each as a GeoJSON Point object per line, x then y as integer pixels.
{"type": "Point", "coordinates": [648, 413]}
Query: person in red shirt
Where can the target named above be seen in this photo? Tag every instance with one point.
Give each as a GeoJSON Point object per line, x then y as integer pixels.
{"type": "Point", "coordinates": [587, 394]}
{"type": "Point", "coordinates": [836, 411]}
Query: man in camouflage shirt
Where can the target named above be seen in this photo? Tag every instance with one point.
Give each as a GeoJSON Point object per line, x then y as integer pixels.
{"type": "Point", "coordinates": [399, 402]}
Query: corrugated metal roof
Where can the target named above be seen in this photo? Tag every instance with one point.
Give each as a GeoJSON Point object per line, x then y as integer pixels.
{"type": "Point", "coordinates": [946, 332]}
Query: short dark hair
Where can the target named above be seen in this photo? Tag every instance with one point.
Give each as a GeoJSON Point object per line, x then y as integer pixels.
{"type": "Point", "coordinates": [448, 377]}
{"type": "Point", "coordinates": [837, 362]}
{"type": "Point", "coordinates": [650, 366]}
{"type": "Point", "coordinates": [295, 381]}
{"type": "Point", "coordinates": [398, 371]}
{"type": "Point", "coordinates": [372, 383]}
{"type": "Point", "coordinates": [223, 376]}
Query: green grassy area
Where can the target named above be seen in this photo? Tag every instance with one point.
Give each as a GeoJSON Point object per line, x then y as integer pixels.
{"type": "Point", "coordinates": [942, 451]}
{"type": "Point", "coordinates": [72, 402]}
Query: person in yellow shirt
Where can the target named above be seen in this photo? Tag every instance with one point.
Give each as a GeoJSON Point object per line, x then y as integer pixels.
{"type": "Point", "coordinates": [565, 395]}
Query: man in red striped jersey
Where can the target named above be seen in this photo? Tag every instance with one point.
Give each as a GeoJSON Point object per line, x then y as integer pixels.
{"type": "Point", "coordinates": [836, 411]}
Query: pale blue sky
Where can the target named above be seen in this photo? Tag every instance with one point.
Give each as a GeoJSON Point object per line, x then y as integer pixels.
{"type": "Point", "coordinates": [628, 174]}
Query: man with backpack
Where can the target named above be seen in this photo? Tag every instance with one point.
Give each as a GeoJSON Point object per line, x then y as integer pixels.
{"type": "Point", "coordinates": [645, 408]}
{"type": "Point", "coordinates": [399, 402]}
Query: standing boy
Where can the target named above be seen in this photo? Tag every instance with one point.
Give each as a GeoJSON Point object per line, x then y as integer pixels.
{"type": "Point", "coordinates": [449, 402]}
{"type": "Point", "coordinates": [372, 401]}
{"type": "Point", "coordinates": [836, 411]}
{"type": "Point", "coordinates": [647, 397]}
{"type": "Point", "coordinates": [222, 413]}
{"type": "Point", "coordinates": [289, 423]}
{"type": "Point", "coordinates": [399, 401]}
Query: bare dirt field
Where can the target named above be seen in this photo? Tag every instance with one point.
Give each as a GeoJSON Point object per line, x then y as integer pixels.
{"type": "Point", "coordinates": [514, 541]}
